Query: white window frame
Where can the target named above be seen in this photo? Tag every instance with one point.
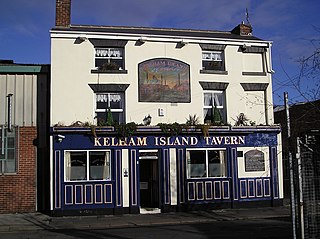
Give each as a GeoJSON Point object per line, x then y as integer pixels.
{"type": "Point", "coordinates": [122, 110]}
{"type": "Point", "coordinates": [207, 162]}
{"type": "Point", "coordinates": [14, 133]}
{"type": "Point", "coordinates": [253, 174]}
{"type": "Point", "coordinates": [212, 58]}
{"type": "Point", "coordinates": [108, 56]}
{"type": "Point", "coordinates": [208, 107]}
{"type": "Point", "coordinates": [87, 165]}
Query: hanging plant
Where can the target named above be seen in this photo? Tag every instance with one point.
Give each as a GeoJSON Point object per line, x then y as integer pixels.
{"type": "Point", "coordinates": [171, 129]}
{"type": "Point", "coordinates": [216, 116]}
{"type": "Point", "coordinates": [241, 120]}
{"type": "Point", "coordinates": [193, 120]}
{"type": "Point", "coordinates": [109, 121]}
{"type": "Point", "coordinates": [109, 66]}
{"type": "Point", "coordinates": [126, 130]}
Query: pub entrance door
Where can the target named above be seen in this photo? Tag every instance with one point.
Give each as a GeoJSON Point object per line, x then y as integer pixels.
{"type": "Point", "coordinates": [149, 178]}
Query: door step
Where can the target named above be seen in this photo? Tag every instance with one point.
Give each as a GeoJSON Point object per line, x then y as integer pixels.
{"type": "Point", "coordinates": [150, 210]}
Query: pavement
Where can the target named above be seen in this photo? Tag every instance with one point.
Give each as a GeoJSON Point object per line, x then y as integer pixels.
{"type": "Point", "coordinates": [38, 221]}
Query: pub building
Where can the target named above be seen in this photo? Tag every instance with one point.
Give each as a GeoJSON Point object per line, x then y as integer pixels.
{"type": "Point", "coordinates": [150, 119]}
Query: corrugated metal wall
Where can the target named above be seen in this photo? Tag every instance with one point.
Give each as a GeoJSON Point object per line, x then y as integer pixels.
{"type": "Point", "coordinates": [24, 99]}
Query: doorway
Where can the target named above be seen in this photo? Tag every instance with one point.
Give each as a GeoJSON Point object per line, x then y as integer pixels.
{"type": "Point", "coordinates": [149, 178]}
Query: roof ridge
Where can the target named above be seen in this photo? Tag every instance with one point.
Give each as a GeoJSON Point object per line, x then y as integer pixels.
{"type": "Point", "coordinates": [149, 28]}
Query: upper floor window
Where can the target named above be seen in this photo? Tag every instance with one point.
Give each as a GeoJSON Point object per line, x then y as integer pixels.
{"type": "Point", "coordinates": [109, 59]}
{"type": "Point", "coordinates": [109, 55]}
{"type": "Point", "coordinates": [109, 108]}
{"type": "Point", "coordinates": [8, 153]}
{"type": "Point", "coordinates": [213, 59]}
{"type": "Point", "coordinates": [214, 107]}
{"type": "Point", "coordinates": [206, 163]}
{"type": "Point", "coordinates": [253, 60]}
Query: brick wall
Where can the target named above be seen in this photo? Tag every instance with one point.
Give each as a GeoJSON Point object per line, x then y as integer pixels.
{"type": "Point", "coordinates": [63, 12]}
{"type": "Point", "coordinates": [18, 191]}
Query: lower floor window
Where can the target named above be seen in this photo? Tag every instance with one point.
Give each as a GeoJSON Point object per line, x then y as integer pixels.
{"type": "Point", "coordinates": [87, 165]}
{"type": "Point", "coordinates": [8, 153]}
{"type": "Point", "coordinates": [206, 163]}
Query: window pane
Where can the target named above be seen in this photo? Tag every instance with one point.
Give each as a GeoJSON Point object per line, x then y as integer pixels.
{"type": "Point", "coordinates": [10, 142]}
{"type": "Point", "coordinates": [117, 117]}
{"type": "Point", "coordinates": [217, 163]}
{"type": "Point", "coordinates": [99, 165]}
{"type": "Point", "coordinates": [9, 166]}
{"type": "Point", "coordinates": [115, 101]}
{"type": "Point", "coordinates": [216, 56]}
{"type": "Point", "coordinates": [206, 55]}
{"type": "Point", "coordinates": [208, 115]}
{"type": "Point", "coordinates": [207, 99]}
{"type": "Point", "coordinates": [76, 165]}
{"type": "Point", "coordinates": [196, 160]}
{"type": "Point", "coordinates": [218, 99]}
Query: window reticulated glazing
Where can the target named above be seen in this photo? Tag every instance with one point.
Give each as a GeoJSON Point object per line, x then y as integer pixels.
{"type": "Point", "coordinates": [206, 163]}
{"type": "Point", "coordinates": [87, 165]}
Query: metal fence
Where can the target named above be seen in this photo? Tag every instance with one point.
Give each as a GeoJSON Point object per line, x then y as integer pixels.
{"type": "Point", "coordinates": [307, 185]}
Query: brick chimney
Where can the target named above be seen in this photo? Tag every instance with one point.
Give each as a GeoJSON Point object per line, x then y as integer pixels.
{"type": "Point", "coordinates": [242, 29]}
{"type": "Point", "coordinates": [63, 13]}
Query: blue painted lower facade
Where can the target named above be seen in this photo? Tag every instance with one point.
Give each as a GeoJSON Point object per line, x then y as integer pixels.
{"type": "Point", "coordinates": [164, 159]}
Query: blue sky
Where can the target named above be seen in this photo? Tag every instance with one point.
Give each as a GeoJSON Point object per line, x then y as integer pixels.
{"type": "Point", "coordinates": [290, 24]}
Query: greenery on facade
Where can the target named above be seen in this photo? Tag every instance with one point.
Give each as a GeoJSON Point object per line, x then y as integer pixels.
{"type": "Point", "coordinates": [173, 129]}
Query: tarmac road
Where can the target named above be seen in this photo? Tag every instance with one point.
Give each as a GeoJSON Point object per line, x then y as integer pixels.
{"type": "Point", "coordinates": [271, 228]}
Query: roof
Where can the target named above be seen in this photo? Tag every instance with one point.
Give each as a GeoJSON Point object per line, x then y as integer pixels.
{"type": "Point", "coordinates": [304, 116]}
{"type": "Point", "coordinates": [8, 66]}
{"type": "Point", "coordinates": [157, 31]}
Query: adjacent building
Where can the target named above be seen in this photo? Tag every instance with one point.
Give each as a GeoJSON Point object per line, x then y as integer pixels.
{"type": "Point", "coordinates": [172, 119]}
{"type": "Point", "coordinates": [23, 126]}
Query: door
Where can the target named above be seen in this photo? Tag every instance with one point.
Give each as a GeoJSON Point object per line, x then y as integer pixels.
{"type": "Point", "coordinates": [149, 178]}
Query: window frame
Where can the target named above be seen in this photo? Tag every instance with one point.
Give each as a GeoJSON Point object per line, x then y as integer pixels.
{"type": "Point", "coordinates": [110, 58]}
{"type": "Point", "coordinates": [14, 135]}
{"type": "Point", "coordinates": [87, 152]}
{"type": "Point", "coordinates": [259, 51]}
{"type": "Point", "coordinates": [113, 110]}
{"type": "Point", "coordinates": [220, 107]}
{"type": "Point", "coordinates": [207, 162]}
{"type": "Point", "coordinates": [212, 53]}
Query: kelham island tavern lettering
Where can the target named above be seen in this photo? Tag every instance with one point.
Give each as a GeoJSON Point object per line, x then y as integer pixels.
{"type": "Point", "coordinates": [168, 141]}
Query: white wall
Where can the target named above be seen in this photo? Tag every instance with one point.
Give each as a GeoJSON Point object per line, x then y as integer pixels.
{"type": "Point", "coordinates": [72, 99]}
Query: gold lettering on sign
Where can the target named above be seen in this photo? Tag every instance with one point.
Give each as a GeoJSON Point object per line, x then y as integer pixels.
{"type": "Point", "coordinates": [168, 141]}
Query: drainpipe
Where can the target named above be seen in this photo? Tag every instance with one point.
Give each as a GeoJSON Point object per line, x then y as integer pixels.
{"type": "Point", "coordinates": [9, 96]}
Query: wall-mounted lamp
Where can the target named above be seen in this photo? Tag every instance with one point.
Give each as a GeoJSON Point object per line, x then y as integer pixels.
{"type": "Point", "coordinates": [80, 39]}
{"type": "Point", "coordinates": [141, 41]}
{"type": "Point", "coordinates": [183, 43]}
{"type": "Point", "coordinates": [60, 137]}
{"type": "Point", "coordinates": [245, 46]}
{"type": "Point", "coordinates": [147, 120]}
